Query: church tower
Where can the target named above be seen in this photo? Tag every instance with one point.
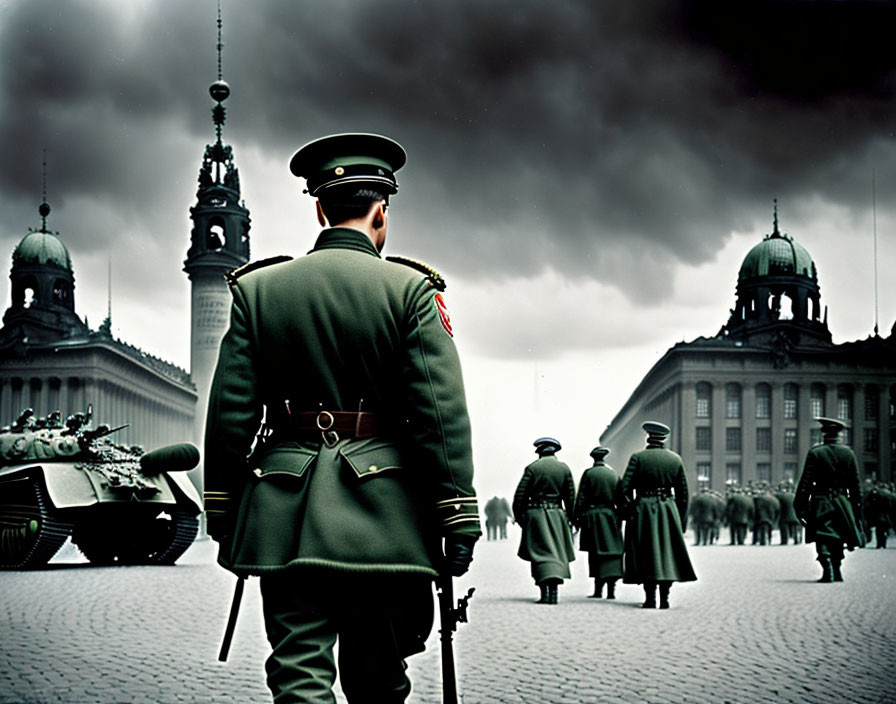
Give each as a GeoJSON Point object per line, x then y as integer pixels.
{"type": "Point", "coordinates": [219, 242]}
{"type": "Point", "coordinates": [43, 290]}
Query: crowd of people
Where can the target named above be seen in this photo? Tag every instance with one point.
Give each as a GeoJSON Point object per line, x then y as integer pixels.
{"type": "Point", "coordinates": [651, 501]}
{"type": "Point", "coordinates": [651, 498]}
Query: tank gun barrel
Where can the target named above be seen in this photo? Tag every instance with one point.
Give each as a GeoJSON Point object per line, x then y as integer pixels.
{"type": "Point", "coordinates": [171, 458]}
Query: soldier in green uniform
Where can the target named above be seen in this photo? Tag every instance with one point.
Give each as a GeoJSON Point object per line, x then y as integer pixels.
{"type": "Point", "coordinates": [359, 488]}
{"type": "Point", "coordinates": [597, 518]}
{"type": "Point", "coordinates": [877, 513]}
{"type": "Point", "coordinates": [738, 514]}
{"type": "Point", "coordinates": [497, 513]}
{"type": "Point", "coordinates": [543, 505]}
{"type": "Point", "coordinates": [655, 502]}
{"type": "Point", "coordinates": [789, 522]}
{"type": "Point", "coordinates": [829, 500]}
{"type": "Point", "coordinates": [766, 514]}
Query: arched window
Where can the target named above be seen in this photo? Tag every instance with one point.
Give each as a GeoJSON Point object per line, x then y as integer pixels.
{"type": "Point", "coordinates": [786, 309]}
{"type": "Point", "coordinates": [844, 402]}
{"type": "Point", "coordinates": [214, 236]}
{"type": "Point", "coordinates": [872, 402]}
{"type": "Point", "coordinates": [790, 400]}
{"type": "Point", "coordinates": [732, 400]}
{"type": "Point", "coordinates": [816, 401]}
{"type": "Point", "coordinates": [763, 401]}
{"type": "Point", "coordinates": [704, 400]}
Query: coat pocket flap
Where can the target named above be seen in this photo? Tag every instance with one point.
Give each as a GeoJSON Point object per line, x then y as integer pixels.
{"type": "Point", "coordinates": [291, 461]}
{"type": "Point", "coordinates": [369, 458]}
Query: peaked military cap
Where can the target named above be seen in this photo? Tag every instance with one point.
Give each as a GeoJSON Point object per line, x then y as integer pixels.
{"type": "Point", "coordinates": [599, 452]}
{"type": "Point", "coordinates": [660, 431]}
{"type": "Point", "coordinates": [353, 157]}
{"type": "Point", "coordinates": [831, 426]}
{"type": "Point", "coordinates": [544, 442]}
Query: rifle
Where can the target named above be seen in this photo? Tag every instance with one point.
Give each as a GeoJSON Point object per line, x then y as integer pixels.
{"type": "Point", "coordinates": [450, 616]}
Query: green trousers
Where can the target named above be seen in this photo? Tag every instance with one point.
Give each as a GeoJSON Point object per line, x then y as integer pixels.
{"type": "Point", "coordinates": [377, 620]}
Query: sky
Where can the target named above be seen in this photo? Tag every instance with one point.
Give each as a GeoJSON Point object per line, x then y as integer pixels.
{"type": "Point", "coordinates": [587, 176]}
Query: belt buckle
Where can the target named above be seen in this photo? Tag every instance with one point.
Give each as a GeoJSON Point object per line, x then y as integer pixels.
{"type": "Point", "coordinates": [325, 421]}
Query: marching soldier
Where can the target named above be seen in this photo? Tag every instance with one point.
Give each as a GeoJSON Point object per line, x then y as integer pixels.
{"type": "Point", "coordinates": [704, 511]}
{"type": "Point", "coordinates": [829, 500]}
{"type": "Point", "coordinates": [789, 523]}
{"type": "Point", "coordinates": [655, 499]}
{"type": "Point", "coordinates": [738, 514]}
{"type": "Point", "coordinates": [364, 468]}
{"type": "Point", "coordinates": [497, 513]}
{"type": "Point", "coordinates": [877, 513]}
{"type": "Point", "coordinates": [597, 517]}
{"type": "Point", "coordinates": [543, 505]}
{"type": "Point", "coordinates": [766, 514]}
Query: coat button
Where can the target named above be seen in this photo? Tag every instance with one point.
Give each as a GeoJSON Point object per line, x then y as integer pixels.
{"type": "Point", "coordinates": [373, 468]}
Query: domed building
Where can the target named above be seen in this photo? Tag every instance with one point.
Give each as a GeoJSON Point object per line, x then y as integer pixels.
{"type": "Point", "coordinates": [43, 291]}
{"type": "Point", "coordinates": [51, 360]}
{"type": "Point", "coordinates": [741, 404]}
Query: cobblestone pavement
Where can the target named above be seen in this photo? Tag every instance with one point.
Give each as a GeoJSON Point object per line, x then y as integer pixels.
{"type": "Point", "coordinates": [754, 628]}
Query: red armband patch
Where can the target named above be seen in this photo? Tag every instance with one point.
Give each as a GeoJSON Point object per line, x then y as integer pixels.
{"type": "Point", "coordinates": [442, 307]}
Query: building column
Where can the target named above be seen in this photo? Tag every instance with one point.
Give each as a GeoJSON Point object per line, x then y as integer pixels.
{"type": "Point", "coordinates": [777, 427]}
{"type": "Point", "coordinates": [718, 427]}
{"type": "Point", "coordinates": [687, 434]}
{"type": "Point", "coordinates": [804, 424]}
{"type": "Point", "coordinates": [748, 430]}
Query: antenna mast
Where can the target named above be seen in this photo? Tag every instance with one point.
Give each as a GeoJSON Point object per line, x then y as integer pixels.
{"type": "Point", "coordinates": [874, 230]}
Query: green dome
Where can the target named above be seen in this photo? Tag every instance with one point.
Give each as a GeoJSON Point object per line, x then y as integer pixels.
{"type": "Point", "coordinates": [42, 248]}
{"type": "Point", "coordinates": [777, 255]}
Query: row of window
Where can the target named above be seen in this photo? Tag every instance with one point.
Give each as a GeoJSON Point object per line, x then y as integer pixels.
{"type": "Point", "coordinates": [734, 472]}
{"type": "Point", "coordinates": [870, 438]}
{"type": "Point", "coordinates": [817, 395]}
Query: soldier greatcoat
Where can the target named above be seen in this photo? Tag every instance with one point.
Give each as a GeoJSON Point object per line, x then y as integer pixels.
{"type": "Point", "coordinates": [596, 516]}
{"type": "Point", "coordinates": [655, 492]}
{"type": "Point", "coordinates": [543, 505]}
{"type": "Point", "coordinates": [828, 498]}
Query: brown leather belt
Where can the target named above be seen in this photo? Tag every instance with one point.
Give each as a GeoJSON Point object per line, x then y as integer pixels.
{"type": "Point", "coordinates": [332, 426]}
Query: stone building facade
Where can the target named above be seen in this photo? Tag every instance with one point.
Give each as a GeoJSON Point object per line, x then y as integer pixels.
{"type": "Point", "coordinates": [741, 404]}
{"type": "Point", "coordinates": [51, 360]}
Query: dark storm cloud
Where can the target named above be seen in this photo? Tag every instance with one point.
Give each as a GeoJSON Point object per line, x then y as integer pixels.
{"type": "Point", "coordinates": [588, 134]}
{"type": "Point", "coordinates": [602, 140]}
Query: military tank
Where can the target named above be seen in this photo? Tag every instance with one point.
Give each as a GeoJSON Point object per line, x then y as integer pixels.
{"type": "Point", "coordinates": [118, 504]}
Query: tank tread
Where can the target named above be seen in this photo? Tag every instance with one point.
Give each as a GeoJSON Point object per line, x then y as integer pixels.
{"type": "Point", "coordinates": [185, 528]}
{"type": "Point", "coordinates": [52, 532]}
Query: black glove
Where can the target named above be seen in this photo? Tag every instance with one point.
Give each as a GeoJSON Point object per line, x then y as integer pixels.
{"type": "Point", "coordinates": [458, 554]}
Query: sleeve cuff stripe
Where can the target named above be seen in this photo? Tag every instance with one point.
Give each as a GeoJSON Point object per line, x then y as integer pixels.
{"type": "Point", "coordinates": [460, 519]}
{"type": "Point", "coordinates": [458, 500]}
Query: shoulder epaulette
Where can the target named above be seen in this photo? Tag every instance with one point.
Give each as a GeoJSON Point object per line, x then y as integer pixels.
{"type": "Point", "coordinates": [435, 278]}
{"type": "Point", "coordinates": [232, 276]}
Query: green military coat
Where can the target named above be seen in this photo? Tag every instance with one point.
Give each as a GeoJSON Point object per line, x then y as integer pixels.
{"type": "Point", "coordinates": [828, 497]}
{"type": "Point", "coordinates": [543, 505]}
{"type": "Point", "coordinates": [596, 516]}
{"type": "Point", "coordinates": [654, 542]}
{"type": "Point", "coordinates": [788, 515]}
{"type": "Point", "coordinates": [338, 330]}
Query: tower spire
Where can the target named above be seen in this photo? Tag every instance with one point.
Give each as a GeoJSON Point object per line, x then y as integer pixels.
{"type": "Point", "coordinates": [775, 231]}
{"type": "Point", "coordinates": [219, 90]}
{"type": "Point", "coordinates": [874, 232]}
{"type": "Point", "coordinates": [44, 208]}
{"type": "Point", "coordinates": [220, 43]}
